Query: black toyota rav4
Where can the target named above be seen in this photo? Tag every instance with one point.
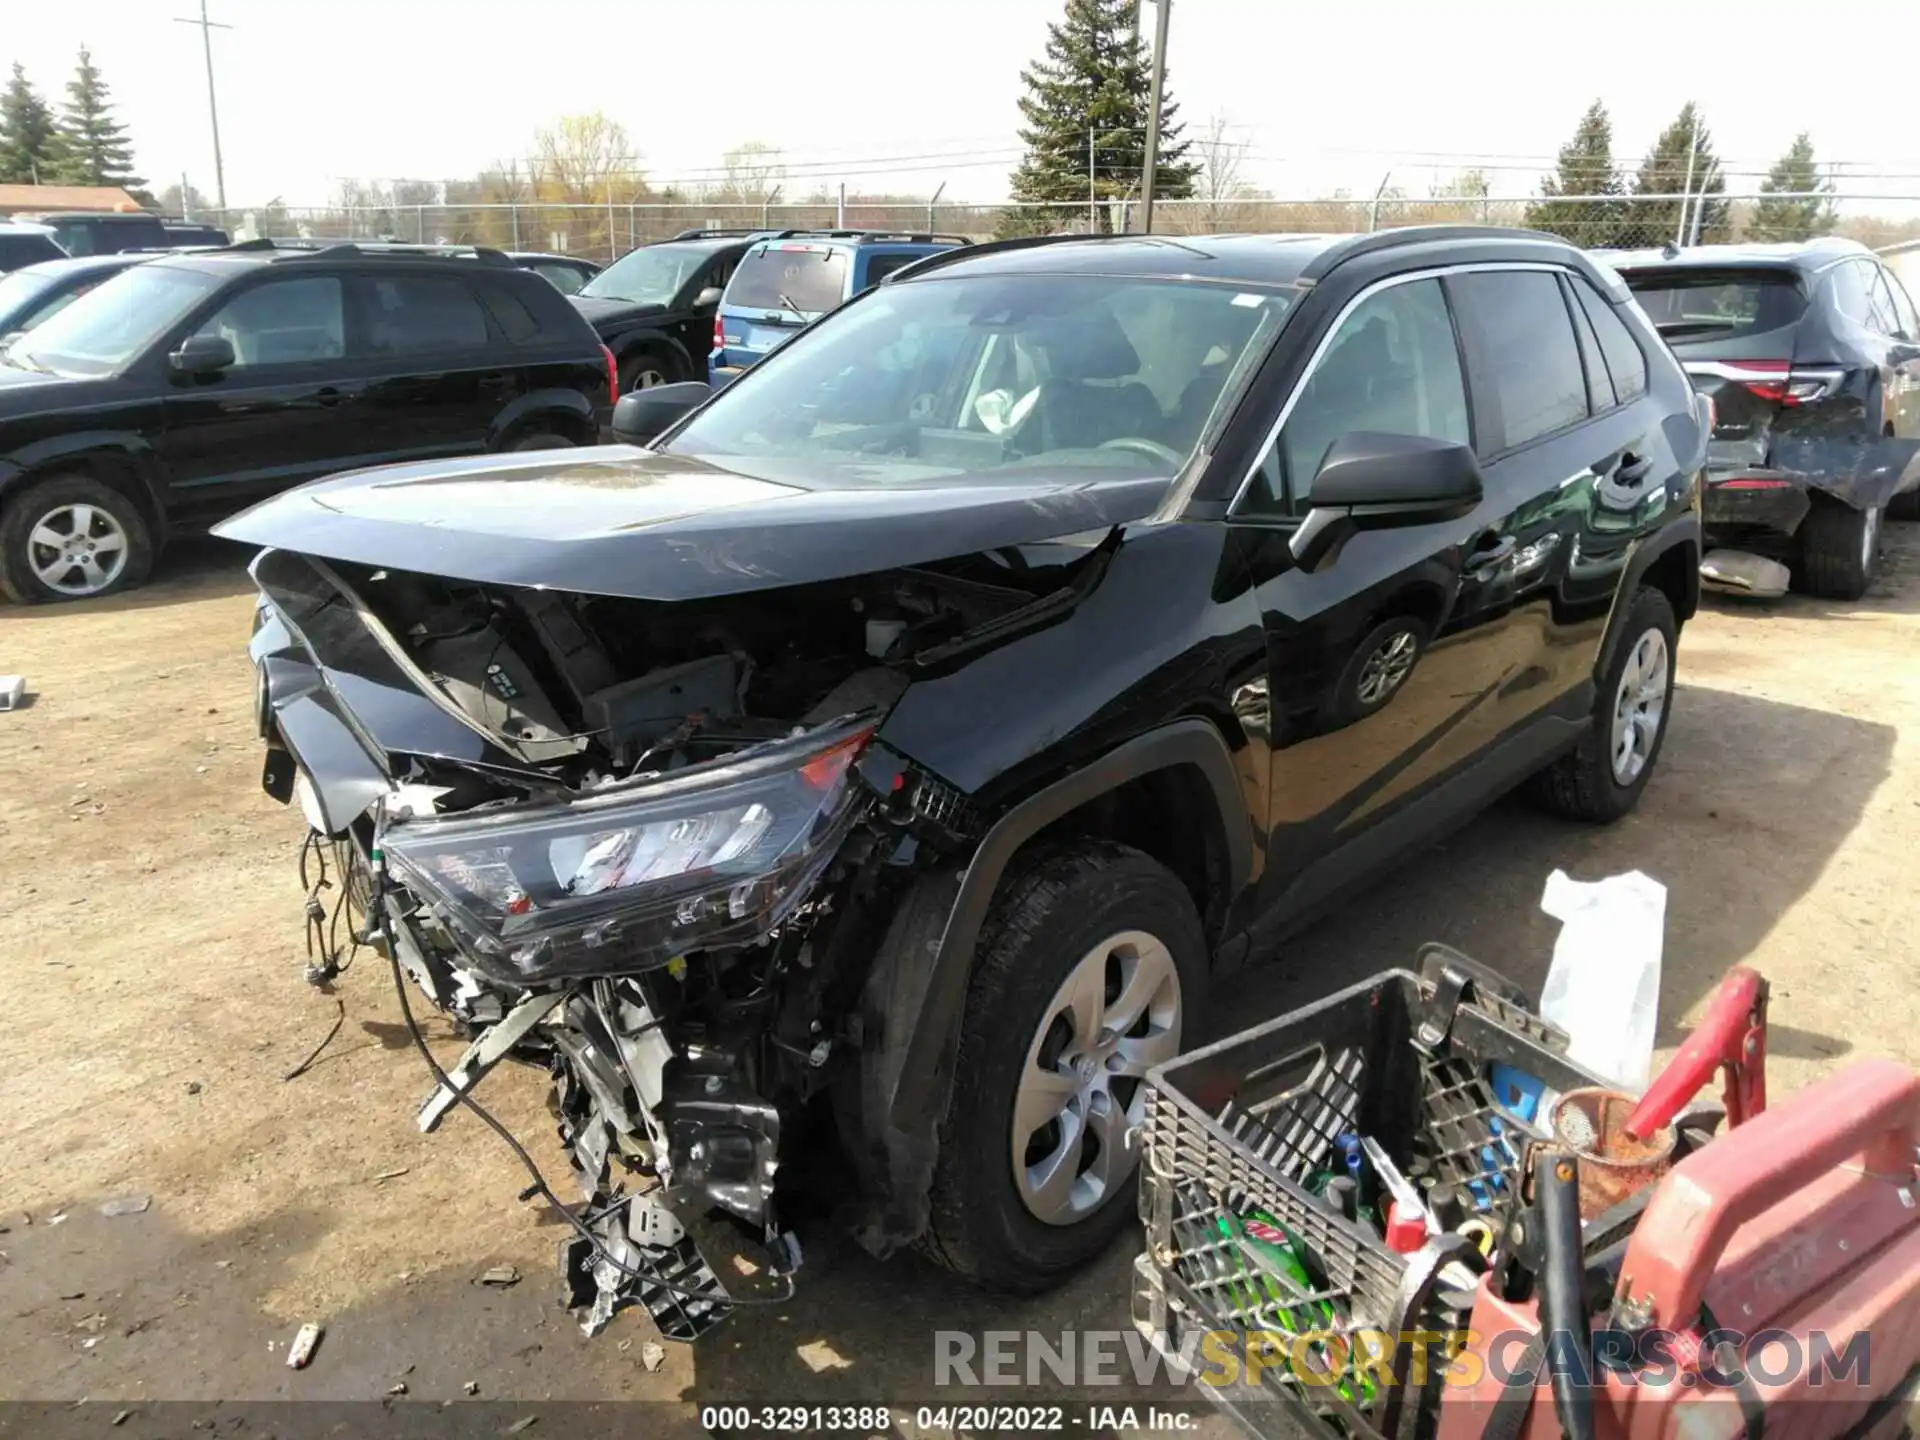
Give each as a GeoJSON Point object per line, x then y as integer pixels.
{"type": "Point", "coordinates": [884, 759]}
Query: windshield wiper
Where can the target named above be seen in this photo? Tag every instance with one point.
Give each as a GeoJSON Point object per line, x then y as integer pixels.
{"type": "Point", "coordinates": [803, 314]}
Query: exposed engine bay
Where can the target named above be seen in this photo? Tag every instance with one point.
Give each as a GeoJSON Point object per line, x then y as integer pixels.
{"type": "Point", "coordinates": [637, 844]}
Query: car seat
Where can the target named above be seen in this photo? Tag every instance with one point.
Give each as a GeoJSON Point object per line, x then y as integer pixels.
{"type": "Point", "coordinates": [1090, 395]}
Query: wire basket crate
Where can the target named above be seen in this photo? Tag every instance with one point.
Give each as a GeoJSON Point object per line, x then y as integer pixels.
{"type": "Point", "coordinates": [1239, 1142]}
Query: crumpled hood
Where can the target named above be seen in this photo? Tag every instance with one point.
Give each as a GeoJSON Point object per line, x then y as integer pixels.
{"type": "Point", "coordinates": [617, 520]}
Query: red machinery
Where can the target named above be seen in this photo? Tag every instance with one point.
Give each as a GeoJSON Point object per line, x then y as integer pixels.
{"type": "Point", "coordinates": [1769, 1283]}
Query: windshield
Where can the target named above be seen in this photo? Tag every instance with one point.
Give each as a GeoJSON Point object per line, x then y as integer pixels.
{"type": "Point", "coordinates": [802, 280]}
{"type": "Point", "coordinates": [106, 329]}
{"type": "Point", "coordinates": [1724, 304]}
{"type": "Point", "coordinates": [651, 275]}
{"type": "Point", "coordinates": [972, 375]}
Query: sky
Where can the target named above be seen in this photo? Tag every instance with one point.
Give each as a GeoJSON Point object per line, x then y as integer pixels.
{"type": "Point", "coordinates": [903, 95]}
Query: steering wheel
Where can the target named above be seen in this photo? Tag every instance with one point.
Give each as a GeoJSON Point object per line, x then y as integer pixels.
{"type": "Point", "coordinates": [1140, 445]}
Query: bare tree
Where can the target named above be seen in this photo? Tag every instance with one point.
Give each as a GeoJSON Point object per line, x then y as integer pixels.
{"type": "Point", "coordinates": [751, 172]}
{"type": "Point", "coordinates": [587, 158]}
{"type": "Point", "coordinates": [1219, 183]}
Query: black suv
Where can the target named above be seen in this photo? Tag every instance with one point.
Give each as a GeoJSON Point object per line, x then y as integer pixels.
{"type": "Point", "coordinates": [1811, 353]}
{"type": "Point", "coordinates": [654, 306]}
{"type": "Point", "coordinates": [190, 385]}
{"type": "Point", "coordinates": [106, 232]}
{"type": "Point", "coordinates": [912, 733]}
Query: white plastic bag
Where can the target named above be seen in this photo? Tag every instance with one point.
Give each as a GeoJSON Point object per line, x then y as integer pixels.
{"type": "Point", "coordinates": [1603, 987]}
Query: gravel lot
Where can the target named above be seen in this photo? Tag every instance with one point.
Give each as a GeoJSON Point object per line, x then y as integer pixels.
{"type": "Point", "coordinates": [151, 955]}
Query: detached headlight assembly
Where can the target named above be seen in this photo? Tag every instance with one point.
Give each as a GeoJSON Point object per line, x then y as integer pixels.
{"type": "Point", "coordinates": [626, 880]}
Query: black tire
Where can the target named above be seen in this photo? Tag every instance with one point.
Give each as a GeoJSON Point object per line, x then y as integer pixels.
{"type": "Point", "coordinates": [1378, 669]}
{"type": "Point", "coordinates": [1583, 784]}
{"type": "Point", "coordinates": [633, 368]}
{"type": "Point", "coordinates": [542, 440]}
{"type": "Point", "coordinates": [23, 514]}
{"type": "Point", "coordinates": [1057, 909]}
{"type": "Point", "coordinates": [1905, 506]}
{"type": "Point", "coordinates": [1839, 546]}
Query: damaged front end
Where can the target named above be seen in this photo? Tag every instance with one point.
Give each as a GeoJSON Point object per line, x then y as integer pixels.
{"type": "Point", "coordinates": [630, 842]}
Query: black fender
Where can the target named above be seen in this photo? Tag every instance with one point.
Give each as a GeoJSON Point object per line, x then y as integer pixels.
{"type": "Point", "coordinates": [919, 1095]}
{"type": "Point", "coordinates": [129, 451]}
{"type": "Point", "coordinates": [1682, 531]}
{"type": "Point", "coordinates": [916, 990]}
{"type": "Point", "coordinates": [556, 409]}
{"type": "Point", "coordinates": [625, 346]}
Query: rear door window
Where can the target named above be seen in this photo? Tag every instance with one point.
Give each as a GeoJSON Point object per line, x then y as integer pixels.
{"type": "Point", "coordinates": [1525, 362]}
{"type": "Point", "coordinates": [1697, 303]}
{"type": "Point", "coordinates": [799, 279]}
{"type": "Point", "coordinates": [422, 314]}
{"type": "Point", "coordinates": [516, 321]}
{"type": "Point", "coordinates": [1626, 362]}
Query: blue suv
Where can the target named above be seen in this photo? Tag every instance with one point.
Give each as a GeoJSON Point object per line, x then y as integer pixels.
{"type": "Point", "coordinates": [789, 280]}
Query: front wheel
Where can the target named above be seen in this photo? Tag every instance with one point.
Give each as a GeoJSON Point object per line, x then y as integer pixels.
{"type": "Point", "coordinates": [1601, 778]}
{"type": "Point", "coordinates": [1091, 970]}
{"type": "Point", "coordinates": [70, 537]}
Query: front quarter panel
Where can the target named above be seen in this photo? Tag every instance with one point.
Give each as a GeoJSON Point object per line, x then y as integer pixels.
{"type": "Point", "coordinates": [1170, 630]}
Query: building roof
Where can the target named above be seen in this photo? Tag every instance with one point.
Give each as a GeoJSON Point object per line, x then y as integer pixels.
{"type": "Point", "coordinates": [35, 198]}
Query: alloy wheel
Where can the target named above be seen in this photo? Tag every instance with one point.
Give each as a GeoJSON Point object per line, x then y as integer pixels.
{"type": "Point", "coordinates": [1385, 669]}
{"type": "Point", "coordinates": [1638, 706]}
{"type": "Point", "coordinates": [1115, 1015]}
{"type": "Point", "coordinates": [77, 549]}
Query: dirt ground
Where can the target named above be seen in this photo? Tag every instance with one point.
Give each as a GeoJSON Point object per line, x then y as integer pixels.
{"type": "Point", "coordinates": [151, 955]}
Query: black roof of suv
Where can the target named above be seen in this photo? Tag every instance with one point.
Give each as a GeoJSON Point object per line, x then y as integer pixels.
{"type": "Point", "coordinates": [917, 727]}
{"type": "Point", "coordinates": [197, 382]}
{"type": "Point", "coordinates": [1811, 353]}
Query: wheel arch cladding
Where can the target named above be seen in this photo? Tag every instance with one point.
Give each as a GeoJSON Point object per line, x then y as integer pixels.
{"type": "Point", "coordinates": [917, 989]}
{"type": "Point", "coordinates": [565, 412]}
{"type": "Point", "coordinates": [121, 468]}
{"type": "Point", "coordinates": [654, 342]}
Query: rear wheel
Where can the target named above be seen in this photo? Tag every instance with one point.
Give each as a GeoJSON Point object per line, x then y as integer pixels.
{"type": "Point", "coordinates": [1601, 778]}
{"type": "Point", "coordinates": [1091, 970]}
{"type": "Point", "coordinates": [646, 369]}
{"type": "Point", "coordinates": [71, 537]}
{"type": "Point", "coordinates": [1838, 548]}
{"type": "Point", "coordinates": [541, 440]}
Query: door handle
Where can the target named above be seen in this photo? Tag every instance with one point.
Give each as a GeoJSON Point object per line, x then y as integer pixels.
{"type": "Point", "coordinates": [1491, 553]}
{"type": "Point", "coordinates": [1632, 468]}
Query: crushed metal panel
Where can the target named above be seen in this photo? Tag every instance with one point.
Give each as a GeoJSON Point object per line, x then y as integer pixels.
{"type": "Point", "coordinates": [1738, 572]}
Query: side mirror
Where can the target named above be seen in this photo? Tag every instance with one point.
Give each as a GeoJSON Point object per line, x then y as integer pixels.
{"type": "Point", "coordinates": [643, 415]}
{"type": "Point", "coordinates": [707, 297]}
{"type": "Point", "coordinates": [202, 355]}
{"type": "Point", "coordinates": [1370, 481]}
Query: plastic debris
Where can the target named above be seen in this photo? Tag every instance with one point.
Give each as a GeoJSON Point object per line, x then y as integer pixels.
{"type": "Point", "coordinates": [653, 1355]}
{"type": "Point", "coordinates": [524, 1423]}
{"type": "Point", "coordinates": [472, 1387]}
{"type": "Point", "coordinates": [13, 689]}
{"type": "Point", "coordinates": [126, 1205]}
{"type": "Point", "coordinates": [399, 1387]}
{"type": "Point", "coordinates": [305, 1342]}
{"type": "Point", "coordinates": [393, 1174]}
{"type": "Point", "coordinates": [1603, 987]}
{"type": "Point", "coordinates": [121, 1418]}
{"type": "Point", "coordinates": [501, 1275]}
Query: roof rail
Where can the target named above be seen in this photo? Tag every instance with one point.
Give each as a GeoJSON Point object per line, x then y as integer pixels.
{"type": "Point", "coordinates": [907, 237]}
{"type": "Point", "coordinates": [1355, 246]}
{"type": "Point", "coordinates": [349, 249]}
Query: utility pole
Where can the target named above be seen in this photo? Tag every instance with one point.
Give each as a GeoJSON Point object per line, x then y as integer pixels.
{"type": "Point", "coordinates": [1162, 9]}
{"type": "Point", "coordinates": [1093, 189]}
{"type": "Point", "coordinates": [207, 27]}
{"type": "Point", "coordinates": [1686, 187]}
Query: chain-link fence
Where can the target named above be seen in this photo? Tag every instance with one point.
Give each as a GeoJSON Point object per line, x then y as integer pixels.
{"type": "Point", "coordinates": [601, 232]}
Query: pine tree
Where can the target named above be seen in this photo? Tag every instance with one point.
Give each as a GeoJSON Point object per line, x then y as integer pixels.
{"type": "Point", "coordinates": [94, 149]}
{"type": "Point", "coordinates": [29, 146]}
{"type": "Point", "coordinates": [1585, 168]}
{"type": "Point", "coordinates": [1086, 113]}
{"type": "Point", "coordinates": [1665, 172]}
{"type": "Point", "coordinates": [1794, 173]}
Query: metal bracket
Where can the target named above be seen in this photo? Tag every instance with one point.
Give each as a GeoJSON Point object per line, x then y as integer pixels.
{"type": "Point", "coordinates": [484, 1053]}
